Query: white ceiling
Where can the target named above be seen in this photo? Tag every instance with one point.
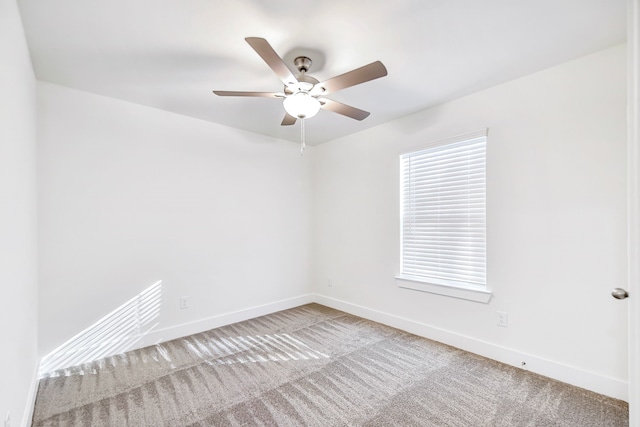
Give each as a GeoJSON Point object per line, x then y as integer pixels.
{"type": "Point", "coordinates": [170, 54]}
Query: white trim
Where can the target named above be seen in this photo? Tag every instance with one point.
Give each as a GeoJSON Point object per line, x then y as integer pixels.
{"type": "Point", "coordinates": [455, 290]}
{"type": "Point", "coordinates": [589, 380]}
{"type": "Point", "coordinates": [27, 416]}
{"type": "Point", "coordinates": [197, 326]}
{"type": "Point", "coordinates": [458, 138]}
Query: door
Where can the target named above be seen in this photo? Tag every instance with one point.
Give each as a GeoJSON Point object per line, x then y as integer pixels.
{"type": "Point", "coordinates": [633, 46]}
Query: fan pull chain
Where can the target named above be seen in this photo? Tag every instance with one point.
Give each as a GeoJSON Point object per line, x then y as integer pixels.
{"type": "Point", "coordinates": [302, 142]}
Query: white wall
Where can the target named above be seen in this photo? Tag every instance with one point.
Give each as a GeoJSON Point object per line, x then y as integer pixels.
{"type": "Point", "coordinates": [18, 275]}
{"type": "Point", "coordinates": [556, 222]}
{"type": "Point", "coordinates": [130, 195]}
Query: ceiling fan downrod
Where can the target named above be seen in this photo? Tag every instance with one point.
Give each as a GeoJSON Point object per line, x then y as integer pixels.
{"type": "Point", "coordinates": [302, 142]}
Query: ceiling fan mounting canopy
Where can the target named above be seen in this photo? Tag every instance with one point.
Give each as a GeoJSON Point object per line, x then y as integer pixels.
{"type": "Point", "coordinates": [302, 93]}
{"type": "Point", "coordinates": [302, 63]}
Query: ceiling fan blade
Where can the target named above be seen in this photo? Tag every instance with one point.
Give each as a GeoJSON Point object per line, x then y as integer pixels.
{"type": "Point", "coordinates": [288, 120]}
{"type": "Point", "coordinates": [273, 60]}
{"type": "Point", "coordinates": [354, 77]}
{"type": "Point", "coordinates": [345, 110]}
{"type": "Point", "coordinates": [255, 94]}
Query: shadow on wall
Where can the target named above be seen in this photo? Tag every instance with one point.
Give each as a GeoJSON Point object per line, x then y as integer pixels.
{"type": "Point", "coordinates": [115, 333]}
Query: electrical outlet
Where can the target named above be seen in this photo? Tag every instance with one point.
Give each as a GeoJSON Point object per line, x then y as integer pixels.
{"type": "Point", "coordinates": [184, 302]}
{"type": "Point", "coordinates": [330, 283]}
{"type": "Point", "coordinates": [503, 319]}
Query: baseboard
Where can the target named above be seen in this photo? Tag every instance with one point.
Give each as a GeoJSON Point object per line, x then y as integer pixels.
{"type": "Point", "coordinates": [189, 328]}
{"type": "Point", "coordinates": [31, 398]}
{"type": "Point", "coordinates": [568, 374]}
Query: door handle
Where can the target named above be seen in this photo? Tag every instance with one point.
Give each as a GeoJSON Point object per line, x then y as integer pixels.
{"type": "Point", "coordinates": [619, 293]}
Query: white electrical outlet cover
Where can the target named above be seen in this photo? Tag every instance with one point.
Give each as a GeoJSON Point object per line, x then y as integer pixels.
{"type": "Point", "coordinates": [503, 319]}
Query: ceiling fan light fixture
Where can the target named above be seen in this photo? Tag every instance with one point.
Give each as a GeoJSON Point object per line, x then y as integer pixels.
{"type": "Point", "coordinates": [301, 105]}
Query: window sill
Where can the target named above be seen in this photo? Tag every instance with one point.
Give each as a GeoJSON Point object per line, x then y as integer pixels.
{"type": "Point", "coordinates": [432, 286]}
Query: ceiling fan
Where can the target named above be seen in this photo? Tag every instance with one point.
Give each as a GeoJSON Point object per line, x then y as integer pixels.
{"type": "Point", "coordinates": [303, 95]}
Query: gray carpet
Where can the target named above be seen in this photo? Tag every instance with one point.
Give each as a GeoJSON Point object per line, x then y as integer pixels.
{"type": "Point", "coordinates": [312, 366]}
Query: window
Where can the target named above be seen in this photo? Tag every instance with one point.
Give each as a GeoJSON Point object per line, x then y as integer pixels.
{"type": "Point", "coordinates": [443, 218]}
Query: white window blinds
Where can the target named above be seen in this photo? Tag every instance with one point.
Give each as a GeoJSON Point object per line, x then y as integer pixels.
{"type": "Point", "coordinates": [443, 213]}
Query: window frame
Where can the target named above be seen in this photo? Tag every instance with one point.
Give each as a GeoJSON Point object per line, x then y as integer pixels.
{"type": "Point", "coordinates": [467, 291]}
